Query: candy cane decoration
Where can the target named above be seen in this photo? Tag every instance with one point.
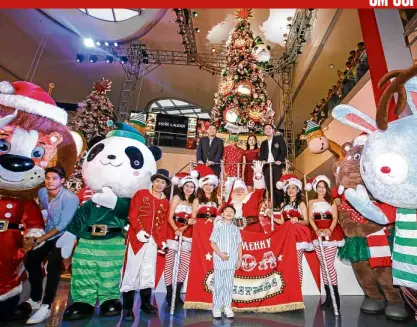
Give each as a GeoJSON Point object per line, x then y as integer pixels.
{"type": "Point", "coordinates": [272, 195]}
{"type": "Point", "coordinates": [175, 275]}
{"type": "Point", "coordinates": [326, 269]}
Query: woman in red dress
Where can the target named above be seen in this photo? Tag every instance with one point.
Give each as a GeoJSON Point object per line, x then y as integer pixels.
{"type": "Point", "coordinates": [294, 211]}
{"type": "Point", "coordinates": [180, 222]}
{"type": "Point", "coordinates": [250, 155]}
{"type": "Point", "coordinates": [322, 212]}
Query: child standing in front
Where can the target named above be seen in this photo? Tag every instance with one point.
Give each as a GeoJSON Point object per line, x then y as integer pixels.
{"type": "Point", "coordinates": [227, 245]}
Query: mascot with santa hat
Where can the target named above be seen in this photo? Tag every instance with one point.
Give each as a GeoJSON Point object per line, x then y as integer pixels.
{"type": "Point", "coordinates": [33, 137]}
{"type": "Point", "coordinates": [247, 204]}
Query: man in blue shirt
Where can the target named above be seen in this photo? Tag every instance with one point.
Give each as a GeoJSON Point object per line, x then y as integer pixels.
{"type": "Point", "coordinates": [59, 206]}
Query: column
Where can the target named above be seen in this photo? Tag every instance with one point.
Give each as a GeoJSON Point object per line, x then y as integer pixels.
{"type": "Point", "coordinates": [383, 34]}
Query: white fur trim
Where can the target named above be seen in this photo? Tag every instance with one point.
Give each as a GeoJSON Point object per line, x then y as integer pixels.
{"type": "Point", "coordinates": [35, 232]}
{"type": "Point", "coordinates": [187, 179]}
{"type": "Point", "coordinates": [6, 88]}
{"type": "Point", "coordinates": [175, 180]}
{"type": "Point", "coordinates": [240, 184]}
{"type": "Point", "coordinates": [14, 291]}
{"type": "Point", "coordinates": [280, 185]}
{"type": "Point", "coordinates": [209, 179]}
{"type": "Point", "coordinates": [360, 140]}
{"type": "Point", "coordinates": [308, 187]}
{"type": "Point", "coordinates": [194, 174]}
{"type": "Point", "coordinates": [321, 178]}
{"type": "Point", "coordinates": [339, 244]}
{"type": "Point", "coordinates": [306, 246]}
{"type": "Point", "coordinates": [35, 107]}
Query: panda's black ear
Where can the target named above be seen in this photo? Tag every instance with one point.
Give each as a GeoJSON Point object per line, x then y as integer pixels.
{"type": "Point", "coordinates": [94, 141]}
{"type": "Point", "coordinates": [157, 153]}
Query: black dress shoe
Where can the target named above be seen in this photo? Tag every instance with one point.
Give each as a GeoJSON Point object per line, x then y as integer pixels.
{"type": "Point", "coordinates": [22, 312]}
{"type": "Point", "coordinates": [110, 308]}
{"type": "Point", "coordinates": [145, 297]}
{"type": "Point", "coordinates": [128, 315]}
{"type": "Point", "coordinates": [78, 310]}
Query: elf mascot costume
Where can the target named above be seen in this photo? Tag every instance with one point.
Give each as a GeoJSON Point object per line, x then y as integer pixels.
{"type": "Point", "coordinates": [33, 137]}
{"type": "Point", "coordinates": [114, 169]}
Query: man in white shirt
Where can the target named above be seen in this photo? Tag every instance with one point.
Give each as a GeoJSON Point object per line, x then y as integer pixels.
{"type": "Point", "coordinates": [274, 151]}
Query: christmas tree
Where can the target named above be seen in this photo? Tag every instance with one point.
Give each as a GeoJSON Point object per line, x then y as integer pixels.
{"type": "Point", "coordinates": [94, 119]}
{"type": "Point", "coordinates": [241, 103]}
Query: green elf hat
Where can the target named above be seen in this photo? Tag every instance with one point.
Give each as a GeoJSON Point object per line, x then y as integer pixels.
{"type": "Point", "coordinates": [125, 130]}
{"type": "Point", "coordinates": [258, 40]}
{"type": "Point", "coordinates": [234, 138]}
{"type": "Point", "coordinates": [311, 127]}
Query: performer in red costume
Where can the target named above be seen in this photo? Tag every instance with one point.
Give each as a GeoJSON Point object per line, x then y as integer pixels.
{"type": "Point", "coordinates": [247, 204]}
{"type": "Point", "coordinates": [33, 137]}
{"type": "Point", "coordinates": [206, 204]}
{"type": "Point", "coordinates": [148, 216]}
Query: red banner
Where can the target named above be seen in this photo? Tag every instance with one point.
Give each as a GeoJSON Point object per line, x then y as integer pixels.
{"type": "Point", "coordinates": [267, 281]}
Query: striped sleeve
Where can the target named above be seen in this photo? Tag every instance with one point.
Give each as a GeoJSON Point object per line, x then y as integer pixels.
{"type": "Point", "coordinates": [215, 235]}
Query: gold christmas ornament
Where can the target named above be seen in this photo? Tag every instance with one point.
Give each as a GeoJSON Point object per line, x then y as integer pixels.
{"type": "Point", "coordinates": [226, 86]}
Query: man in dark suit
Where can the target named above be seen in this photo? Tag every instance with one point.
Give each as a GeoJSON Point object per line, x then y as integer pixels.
{"type": "Point", "coordinates": [210, 150]}
{"type": "Point", "coordinates": [274, 151]}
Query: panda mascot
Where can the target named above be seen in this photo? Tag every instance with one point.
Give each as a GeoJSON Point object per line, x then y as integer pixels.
{"type": "Point", "coordinates": [114, 169]}
{"type": "Point", "coordinates": [261, 51]}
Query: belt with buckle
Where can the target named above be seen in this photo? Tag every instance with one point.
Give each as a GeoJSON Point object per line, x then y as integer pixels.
{"type": "Point", "coordinates": [103, 230]}
{"type": "Point", "coordinates": [322, 216]}
{"type": "Point", "coordinates": [205, 215]}
{"type": "Point", "coordinates": [181, 220]}
{"type": "Point", "coordinates": [252, 220]}
{"type": "Point", "coordinates": [5, 225]}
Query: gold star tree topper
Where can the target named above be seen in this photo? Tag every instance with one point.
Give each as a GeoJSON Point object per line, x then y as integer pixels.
{"type": "Point", "coordinates": [244, 13]}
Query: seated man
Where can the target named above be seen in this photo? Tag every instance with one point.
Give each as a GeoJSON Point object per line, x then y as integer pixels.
{"type": "Point", "coordinates": [60, 205]}
{"type": "Point", "coordinates": [247, 204]}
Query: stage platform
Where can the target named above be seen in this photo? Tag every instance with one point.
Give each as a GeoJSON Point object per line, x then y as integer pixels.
{"type": "Point", "coordinates": [312, 316]}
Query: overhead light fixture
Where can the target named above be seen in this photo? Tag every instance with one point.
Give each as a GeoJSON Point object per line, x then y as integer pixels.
{"type": "Point", "coordinates": [109, 59]}
{"type": "Point", "coordinates": [195, 14]}
{"type": "Point", "coordinates": [89, 43]}
{"type": "Point", "coordinates": [116, 44]}
{"type": "Point", "coordinates": [80, 58]}
{"type": "Point", "coordinates": [106, 44]}
{"type": "Point", "coordinates": [213, 50]}
{"type": "Point", "coordinates": [123, 60]}
{"type": "Point", "coordinates": [93, 58]}
{"type": "Point", "coordinates": [197, 30]}
{"type": "Point", "coordinates": [98, 43]}
{"type": "Point", "coordinates": [331, 65]}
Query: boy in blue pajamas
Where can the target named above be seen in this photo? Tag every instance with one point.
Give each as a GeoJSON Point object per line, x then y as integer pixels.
{"type": "Point", "coordinates": [226, 243]}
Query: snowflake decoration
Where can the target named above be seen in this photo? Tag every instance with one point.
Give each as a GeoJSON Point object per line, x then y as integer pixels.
{"type": "Point", "coordinates": [244, 14]}
{"type": "Point", "coordinates": [102, 87]}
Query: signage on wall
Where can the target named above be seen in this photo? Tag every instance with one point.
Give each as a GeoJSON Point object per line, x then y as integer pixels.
{"type": "Point", "coordinates": [171, 124]}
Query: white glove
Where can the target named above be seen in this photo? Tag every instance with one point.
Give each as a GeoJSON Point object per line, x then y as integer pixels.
{"type": "Point", "coordinates": [44, 213]}
{"type": "Point", "coordinates": [143, 236]}
{"type": "Point", "coordinates": [257, 168]}
{"type": "Point", "coordinates": [66, 242]}
{"type": "Point", "coordinates": [164, 246]}
{"type": "Point", "coordinates": [106, 199]}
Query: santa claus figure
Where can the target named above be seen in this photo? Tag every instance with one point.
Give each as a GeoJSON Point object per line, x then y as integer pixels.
{"type": "Point", "coordinates": [247, 204]}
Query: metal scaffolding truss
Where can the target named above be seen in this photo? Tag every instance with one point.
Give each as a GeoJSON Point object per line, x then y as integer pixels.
{"type": "Point", "coordinates": [141, 61]}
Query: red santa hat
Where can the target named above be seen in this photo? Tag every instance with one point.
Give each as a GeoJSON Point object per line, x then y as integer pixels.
{"type": "Point", "coordinates": [205, 176]}
{"type": "Point", "coordinates": [289, 179]}
{"type": "Point", "coordinates": [361, 139]}
{"type": "Point", "coordinates": [31, 98]}
{"type": "Point", "coordinates": [181, 178]}
{"type": "Point", "coordinates": [312, 183]}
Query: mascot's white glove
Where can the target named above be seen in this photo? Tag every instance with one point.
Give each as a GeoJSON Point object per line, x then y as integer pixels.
{"type": "Point", "coordinates": [44, 213]}
{"type": "Point", "coordinates": [143, 236]}
{"type": "Point", "coordinates": [360, 200]}
{"type": "Point", "coordinates": [66, 242]}
{"type": "Point", "coordinates": [105, 199]}
{"type": "Point", "coordinates": [257, 168]}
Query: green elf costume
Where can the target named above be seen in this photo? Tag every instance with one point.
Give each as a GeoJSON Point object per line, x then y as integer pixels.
{"type": "Point", "coordinates": [115, 168]}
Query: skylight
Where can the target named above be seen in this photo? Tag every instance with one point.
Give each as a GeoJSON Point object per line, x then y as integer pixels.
{"type": "Point", "coordinates": [111, 14]}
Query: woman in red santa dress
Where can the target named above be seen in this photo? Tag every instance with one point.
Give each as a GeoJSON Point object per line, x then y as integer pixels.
{"type": "Point", "coordinates": [247, 204]}
{"type": "Point", "coordinates": [206, 204]}
{"type": "Point", "coordinates": [180, 222]}
{"type": "Point", "coordinates": [322, 212]}
{"type": "Point", "coordinates": [294, 211]}
{"type": "Point", "coordinates": [250, 155]}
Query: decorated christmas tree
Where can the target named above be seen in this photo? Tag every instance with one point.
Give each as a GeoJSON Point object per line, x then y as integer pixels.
{"type": "Point", "coordinates": [94, 119]}
{"type": "Point", "coordinates": [241, 103]}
